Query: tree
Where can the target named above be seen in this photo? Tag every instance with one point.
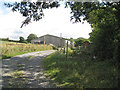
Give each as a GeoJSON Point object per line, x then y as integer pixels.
{"type": "Point", "coordinates": [71, 39]}
{"type": "Point", "coordinates": [31, 10]}
{"type": "Point", "coordinates": [104, 18]}
{"type": "Point", "coordinates": [31, 37]}
{"type": "Point", "coordinates": [80, 41]}
{"type": "Point", "coordinates": [7, 39]}
{"type": "Point", "coordinates": [21, 39]}
{"type": "Point", "coordinates": [104, 32]}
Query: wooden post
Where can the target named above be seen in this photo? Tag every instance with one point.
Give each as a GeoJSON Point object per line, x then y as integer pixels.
{"type": "Point", "coordinates": [67, 51]}
{"type": "Point", "coordinates": [44, 42]}
{"type": "Point", "coordinates": [64, 50]}
{"type": "Point", "coordinates": [61, 40]}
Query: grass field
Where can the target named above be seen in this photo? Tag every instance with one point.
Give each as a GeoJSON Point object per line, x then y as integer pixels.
{"type": "Point", "coordinates": [10, 49]}
{"type": "Point", "coordinates": [80, 71]}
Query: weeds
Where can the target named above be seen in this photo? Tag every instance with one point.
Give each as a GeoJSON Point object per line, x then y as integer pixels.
{"type": "Point", "coordinates": [10, 49]}
{"type": "Point", "coordinates": [20, 65]}
{"type": "Point", "coordinates": [81, 71]}
{"type": "Point", "coordinates": [32, 56]}
{"type": "Point", "coordinates": [17, 74]}
{"type": "Point", "coordinates": [16, 80]}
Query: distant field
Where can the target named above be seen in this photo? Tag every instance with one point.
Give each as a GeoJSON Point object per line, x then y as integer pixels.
{"type": "Point", "coordinates": [10, 49]}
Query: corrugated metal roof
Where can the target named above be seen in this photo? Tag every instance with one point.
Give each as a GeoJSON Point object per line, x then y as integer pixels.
{"type": "Point", "coordinates": [52, 36]}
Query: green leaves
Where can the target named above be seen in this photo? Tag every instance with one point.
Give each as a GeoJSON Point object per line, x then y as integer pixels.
{"type": "Point", "coordinates": [79, 41]}
{"type": "Point", "coordinates": [22, 39]}
{"type": "Point", "coordinates": [32, 10]}
{"type": "Point", "coordinates": [104, 18]}
{"type": "Point", "coordinates": [31, 37]}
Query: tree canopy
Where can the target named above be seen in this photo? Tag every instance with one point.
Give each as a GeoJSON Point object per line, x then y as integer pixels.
{"type": "Point", "coordinates": [79, 41]}
{"type": "Point", "coordinates": [31, 37]}
{"type": "Point", "coordinates": [104, 18]}
{"type": "Point", "coordinates": [21, 39]}
{"type": "Point", "coordinates": [31, 10]}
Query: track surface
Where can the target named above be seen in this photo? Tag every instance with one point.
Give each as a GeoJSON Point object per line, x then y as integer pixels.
{"type": "Point", "coordinates": [26, 71]}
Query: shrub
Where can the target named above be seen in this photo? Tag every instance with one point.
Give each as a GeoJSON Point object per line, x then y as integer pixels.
{"type": "Point", "coordinates": [54, 48]}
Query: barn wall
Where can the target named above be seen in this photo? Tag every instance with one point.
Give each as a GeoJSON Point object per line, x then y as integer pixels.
{"type": "Point", "coordinates": [49, 39]}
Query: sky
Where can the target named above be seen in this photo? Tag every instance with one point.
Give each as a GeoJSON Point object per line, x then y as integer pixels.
{"type": "Point", "coordinates": [55, 21]}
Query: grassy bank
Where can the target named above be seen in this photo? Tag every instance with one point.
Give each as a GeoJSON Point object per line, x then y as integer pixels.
{"type": "Point", "coordinates": [80, 71]}
{"type": "Point", "coordinates": [10, 49]}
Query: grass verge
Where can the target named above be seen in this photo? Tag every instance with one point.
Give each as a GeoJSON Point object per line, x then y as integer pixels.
{"type": "Point", "coordinates": [81, 71]}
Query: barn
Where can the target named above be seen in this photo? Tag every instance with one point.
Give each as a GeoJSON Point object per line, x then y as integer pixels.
{"type": "Point", "coordinates": [51, 39]}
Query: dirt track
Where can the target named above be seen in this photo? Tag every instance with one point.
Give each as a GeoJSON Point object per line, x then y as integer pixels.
{"type": "Point", "coordinates": [26, 71]}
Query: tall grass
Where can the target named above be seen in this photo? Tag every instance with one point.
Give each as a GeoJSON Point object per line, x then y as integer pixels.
{"type": "Point", "coordinates": [80, 71]}
{"type": "Point", "coordinates": [10, 49]}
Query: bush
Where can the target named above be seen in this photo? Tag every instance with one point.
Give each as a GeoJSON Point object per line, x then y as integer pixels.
{"type": "Point", "coordinates": [117, 53]}
{"type": "Point", "coordinates": [81, 51]}
{"type": "Point", "coordinates": [54, 48]}
{"type": "Point", "coordinates": [4, 39]}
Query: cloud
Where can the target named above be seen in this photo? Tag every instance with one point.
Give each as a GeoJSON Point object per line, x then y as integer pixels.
{"type": "Point", "coordinates": [18, 32]}
{"type": "Point", "coordinates": [1, 11]}
{"type": "Point", "coordinates": [55, 21]}
{"type": "Point", "coordinates": [10, 0]}
{"type": "Point", "coordinates": [9, 24]}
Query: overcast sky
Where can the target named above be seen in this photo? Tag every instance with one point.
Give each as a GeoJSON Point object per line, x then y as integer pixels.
{"type": "Point", "coordinates": [55, 21]}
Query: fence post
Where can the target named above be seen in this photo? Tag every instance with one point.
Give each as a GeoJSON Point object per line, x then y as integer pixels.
{"type": "Point", "coordinates": [64, 50]}
{"type": "Point", "coordinates": [67, 51]}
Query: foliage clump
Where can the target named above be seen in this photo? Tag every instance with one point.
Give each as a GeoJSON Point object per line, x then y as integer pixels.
{"type": "Point", "coordinates": [104, 18]}
{"type": "Point", "coordinates": [81, 71]}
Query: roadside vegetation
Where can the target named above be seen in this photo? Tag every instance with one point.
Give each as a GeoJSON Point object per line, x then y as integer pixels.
{"type": "Point", "coordinates": [10, 49]}
{"type": "Point", "coordinates": [94, 67]}
{"type": "Point", "coordinates": [81, 70]}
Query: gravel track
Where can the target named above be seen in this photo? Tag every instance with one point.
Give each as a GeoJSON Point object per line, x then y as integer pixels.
{"type": "Point", "coordinates": [26, 71]}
